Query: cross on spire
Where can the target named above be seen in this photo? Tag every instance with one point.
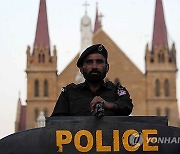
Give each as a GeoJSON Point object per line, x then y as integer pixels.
{"type": "Point", "coordinates": [19, 94]}
{"type": "Point", "coordinates": [96, 5]}
{"type": "Point", "coordinates": [86, 5]}
{"type": "Point", "coordinates": [100, 17]}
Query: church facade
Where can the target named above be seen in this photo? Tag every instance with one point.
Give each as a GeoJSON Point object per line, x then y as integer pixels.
{"type": "Point", "coordinates": [153, 92]}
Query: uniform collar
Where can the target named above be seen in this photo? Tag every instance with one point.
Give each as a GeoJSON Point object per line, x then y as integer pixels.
{"type": "Point", "coordinates": [107, 85]}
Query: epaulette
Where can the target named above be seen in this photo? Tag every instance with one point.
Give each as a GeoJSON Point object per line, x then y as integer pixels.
{"type": "Point", "coordinates": [109, 85]}
{"type": "Point", "coordinates": [119, 86]}
{"type": "Point", "coordinates": [72, 85]}
{"type": "Point", "coordinates": [63, 89]}
{"type": "Point", "coordinates": [69, 86]}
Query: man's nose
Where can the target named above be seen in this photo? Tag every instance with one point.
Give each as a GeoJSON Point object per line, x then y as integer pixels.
{"type": "Point", "coordinates": [94, 65]}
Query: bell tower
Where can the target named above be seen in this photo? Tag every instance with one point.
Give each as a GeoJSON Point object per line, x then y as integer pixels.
{"type": "Point", "coordinates": [41, 72]}
{"type": "Point", "coordinates": [86, 30]}
{"type": "Point", "coordinates": [161, 71]}
{"type": "Point", "coordinates": [86, 38]}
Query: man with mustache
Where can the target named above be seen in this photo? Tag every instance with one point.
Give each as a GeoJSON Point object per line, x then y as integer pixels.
{"type": "Point", "coordinates": [84, 99]}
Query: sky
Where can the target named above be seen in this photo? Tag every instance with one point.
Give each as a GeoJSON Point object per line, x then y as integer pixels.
{"type": "Point", "coordinates": [129, 23]}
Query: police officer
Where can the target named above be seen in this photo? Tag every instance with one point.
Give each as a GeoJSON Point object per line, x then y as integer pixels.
{"type": "Point", "coordinates": [82, 99]}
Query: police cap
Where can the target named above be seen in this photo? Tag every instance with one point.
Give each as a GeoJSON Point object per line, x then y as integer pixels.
{"type": "Point", "coordinates": [97, 48]}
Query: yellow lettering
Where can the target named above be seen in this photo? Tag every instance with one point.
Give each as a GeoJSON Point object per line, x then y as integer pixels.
{"type": "Point", "coordinates": [77, 140]}
{"type": "Point", "coordinates": [99, 146]}
{"type": "Point", "coordinates": [59, 138]}
{"type": "Point", "coordinates": [126, 136]}
{"type": "Point", "coordinates": [116, 140]}
{"type": "Point", "coordinates": [146, 147]}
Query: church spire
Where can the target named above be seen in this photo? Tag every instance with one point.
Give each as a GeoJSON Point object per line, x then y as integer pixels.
{"type": "Point", "coordinates": [160, 32]}
{"type": "Point", "coordinates": [86, 30]}
{"type": "Point", "coordinates": [42, 33]}
{"type": "Point", "coordinates": [97, 24]}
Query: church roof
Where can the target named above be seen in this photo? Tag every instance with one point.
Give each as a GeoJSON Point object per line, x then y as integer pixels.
{"type": "Point", "coordinates": [160, 31]}
{"type": "Point", "coordinates": [21, 116]}
{"type": "Point", "coordinates": [22, 124]}
{"type": "Point", "coordinates": [42, 33]}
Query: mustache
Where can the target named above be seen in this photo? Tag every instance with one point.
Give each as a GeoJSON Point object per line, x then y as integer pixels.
{"type": "Point", "coordinates": [94, 71]}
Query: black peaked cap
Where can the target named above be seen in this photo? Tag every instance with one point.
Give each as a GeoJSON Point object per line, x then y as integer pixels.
{"type": "Point", "coordinates": [96, 48]}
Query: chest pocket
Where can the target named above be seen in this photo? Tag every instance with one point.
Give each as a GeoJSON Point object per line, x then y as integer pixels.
{"type": "Point", "coordinates": [80, 106]}
{"type": "Point", "coordinates": [109, 96]}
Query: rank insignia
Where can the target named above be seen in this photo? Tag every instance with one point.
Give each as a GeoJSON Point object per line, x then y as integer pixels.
{"type": "Point", "coordinates": [121, 92]}
{"type": "Point", "coordinates": [62, 89]}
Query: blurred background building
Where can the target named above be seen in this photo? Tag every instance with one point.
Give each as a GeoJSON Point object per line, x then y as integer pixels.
{"type": "Point", "coordinates": [153, 92]}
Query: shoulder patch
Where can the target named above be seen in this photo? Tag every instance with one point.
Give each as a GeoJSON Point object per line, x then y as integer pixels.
{"type": "Point", "coordinates": [121, 90]}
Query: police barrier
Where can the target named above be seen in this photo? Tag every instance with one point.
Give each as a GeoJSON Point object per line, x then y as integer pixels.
{"type": "Point", "coordinates": [93, 135]}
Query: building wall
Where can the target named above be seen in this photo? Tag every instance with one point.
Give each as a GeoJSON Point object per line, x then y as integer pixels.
{"type": "Point", "coordinates": [161, 68]}
{"type": "Point", "coordinates": [140, 86]}
{"type": "Point", "coordinates": [123, 69]}
{"type": "Point", "coordinates": [40, 70]}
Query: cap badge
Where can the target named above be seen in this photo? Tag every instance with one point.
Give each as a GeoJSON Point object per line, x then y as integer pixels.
{"type": "Point", "coordinates": [100, 48]}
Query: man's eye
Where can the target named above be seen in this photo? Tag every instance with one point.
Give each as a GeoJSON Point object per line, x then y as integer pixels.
{"type": "Point", "coordinates": [89, 62]}
{"type": "Point", "coordinates": [100, 61]}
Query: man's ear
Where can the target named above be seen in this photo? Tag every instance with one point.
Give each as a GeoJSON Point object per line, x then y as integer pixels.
{"type": "Point", "coordinates": [107, 68]}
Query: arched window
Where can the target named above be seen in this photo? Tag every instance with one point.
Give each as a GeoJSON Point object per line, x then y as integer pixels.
{"type": "Point", "coordinates": [170, 60]}
{"type": "Point", "coordinates": [39, 58]}
{"type": "Point", "coordinates": [36, 88]}
{"type": "Point", "coordinates": [161, 57]}
{"type": "Point", "coordinates": [46, 88]}
{"type": "Point", "coordinates": [158, 111]}
{"type": "Point", "coordinates": [157, 87]}
{"type": "Point", "coordinates": [50, 60]}
{"type": "Point", "coordinates": [45, 112]}
{"type": "Point", "coordinates": [166, 87]}
{"type": "Point", "coordinates": [152, 60]}
{"type": "Point", "coordinates": [36, 114]}
{"type": "Point", "coordinates": [167, 112]}
{"type": "Point", "coordinates": [43, 58]}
